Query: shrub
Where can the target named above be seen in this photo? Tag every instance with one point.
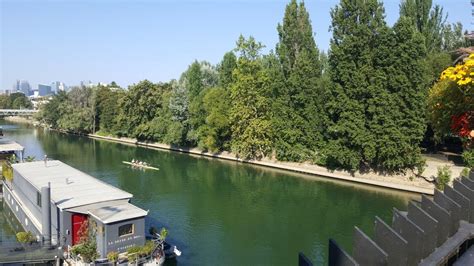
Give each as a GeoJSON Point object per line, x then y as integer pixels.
{"type": "Point", "coordinates": [112, 256]}
{"type": "Point", "coordinates": [163, 233]}
{"type": "Point", "coordinates": [87, 250]}
{"type": "Point", "coordinates": [444, 177]}
{"type": "Point", "coordinates": [468, 157]}
{"type": "Point", "coordinates": [133, 253]}
{"type": "Point", "coordinates": [7, 171]}
{"type": "Point", "coordinates": [25, 237]}
{"type": "Point", "coordinates": [148, 248]}
{"type": "Point", "coordinates": [465, 172]}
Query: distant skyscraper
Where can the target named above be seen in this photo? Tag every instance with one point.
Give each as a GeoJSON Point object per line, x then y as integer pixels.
{"type": "Point", "coordinates": [25, 87]}
{"type": "Point", "coordinates": [55, 86]}
{"type": "Point", "coordinates": [44, 90]}
{"type": "Point", "coordinates": [16, 86]}
{"type": "Point", "coordinates": [61, 87]}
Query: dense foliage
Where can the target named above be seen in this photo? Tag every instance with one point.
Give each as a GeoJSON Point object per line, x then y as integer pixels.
{"type": "Point", "coordinates": [360, 105]}
{"type": "Point", "coordinates": [16, 100]}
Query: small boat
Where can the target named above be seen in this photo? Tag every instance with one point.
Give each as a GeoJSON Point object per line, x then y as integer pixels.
{"type": "Point", "coordinates": [141, 165]}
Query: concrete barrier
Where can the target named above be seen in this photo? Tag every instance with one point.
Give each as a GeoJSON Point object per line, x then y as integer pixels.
{"type": "Point", "coordinates": [391, 242]}
{"type": "Point", "coordinates": [366, 251]}
{"type": "Point", "coordinates": [452, 207]}
{"type": "Point", "coordinates": [429, 224]}
{"type": "Point", "coordinates": [338, 257]}
{"type": "Point", "coordinates": [413, 234]}
{"type": "Point", "coordinates": [441, 215]}
{"type": "Point", "coordinates": [461, 200]}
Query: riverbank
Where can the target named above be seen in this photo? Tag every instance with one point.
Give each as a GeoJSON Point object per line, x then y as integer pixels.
{"type": "Point", "coordinates": [20, 119]}
{"type": "Point", "coordinates": [398, 182]}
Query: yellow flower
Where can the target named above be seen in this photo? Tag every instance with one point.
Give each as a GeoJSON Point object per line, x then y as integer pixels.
{"type": "Point", "coordinates": [464, 81]}
{"type": "Point", "coordinates": [469, 63]}
{"type": "Point", "coordinates": [471, 56]}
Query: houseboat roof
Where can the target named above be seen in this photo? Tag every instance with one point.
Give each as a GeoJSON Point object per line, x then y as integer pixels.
{"type": "Point", "coordinates": [111, 211]}
{"type": "Point", "coordinates": [7, 145]}
{"type": "Point", "coordinates": [69, 186]}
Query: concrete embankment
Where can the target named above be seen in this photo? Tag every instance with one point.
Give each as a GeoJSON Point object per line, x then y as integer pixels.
{"type": "Point", "coordinates": [372, 179]}
{"type": "Point", "coordinates": [20, 119]}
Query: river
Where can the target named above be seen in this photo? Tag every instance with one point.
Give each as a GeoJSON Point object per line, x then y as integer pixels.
{"type": "Point", "coordinates": [220, 212]}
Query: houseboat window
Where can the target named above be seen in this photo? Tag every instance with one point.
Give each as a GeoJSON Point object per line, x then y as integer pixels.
{"type": "Point", "coordinates": [125, 229]}
{"type": "Point", "coordinates": [38, 198]}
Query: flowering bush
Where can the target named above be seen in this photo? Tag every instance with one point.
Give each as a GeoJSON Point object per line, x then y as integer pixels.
{"type": "Point", "coordinates": [462, 74]}
{"type": "Point", "coordinates": [451, 105]}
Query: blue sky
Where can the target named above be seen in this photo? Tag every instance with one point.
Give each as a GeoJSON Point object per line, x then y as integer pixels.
{"type": "Point", "coordinates": [128, 41]}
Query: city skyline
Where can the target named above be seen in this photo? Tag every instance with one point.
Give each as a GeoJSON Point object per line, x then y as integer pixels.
{"type": "Point", "coordinates": [127, 42]}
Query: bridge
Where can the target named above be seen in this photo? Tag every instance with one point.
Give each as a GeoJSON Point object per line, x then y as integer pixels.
{"type": "Point", "coordinates": [17, 112]}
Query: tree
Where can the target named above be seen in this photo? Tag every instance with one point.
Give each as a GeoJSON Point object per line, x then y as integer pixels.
{"type": "Point", "coordinates": [397, 115]}
{"type": "Point", "coordinates": [76, 113]}
{"type": "Point", "coordinates": [17, 100]}
{"type": "Point", "coordinates": [226, 68]}
{"type": "Point", "coordinates": [301, 116]}
{"type": "Point", "coordinates": [107, 108]}
{"type": "Point", "coordinates": [250, 113]}
{"type": "Point", "coordinates": [356, 26]}
{"type": "Point", "coordinates": [179, 110]}
{"type": "Point", "coordinates": [50, 112]}
{"type": "Point", "coordinates": [199, 77]}
{"type": "Point", "coordinates": [214, 134]}
{"type": "Point", "coordinates": [429, 20]}
{"type": "Point", "coordinates": [138, 107]}
{"type": "Point", "coordinates": [453, 37]}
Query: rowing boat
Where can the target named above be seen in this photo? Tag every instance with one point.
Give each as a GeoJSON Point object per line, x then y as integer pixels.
{"type": "Point", "coordinates": [141, 166]}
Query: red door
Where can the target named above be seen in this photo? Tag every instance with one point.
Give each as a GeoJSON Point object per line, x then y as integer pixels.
{"type": "Point", "coordinates": [77, 221]}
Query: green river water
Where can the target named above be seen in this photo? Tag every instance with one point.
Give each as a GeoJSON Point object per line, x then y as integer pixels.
{"type": "Point", "coordinates": [219, 212]}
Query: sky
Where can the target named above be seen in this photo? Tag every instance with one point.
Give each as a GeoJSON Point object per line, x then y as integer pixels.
{"type": "Point", "coordinates": [127, 41]}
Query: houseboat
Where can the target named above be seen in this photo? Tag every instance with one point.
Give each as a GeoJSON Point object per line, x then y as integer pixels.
{"type": "Point", "coordinates": [53, 200]}
{"type": "Point", "coordinates": [9, 148]}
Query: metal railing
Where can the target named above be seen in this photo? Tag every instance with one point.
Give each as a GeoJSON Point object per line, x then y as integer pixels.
{"type": "Point", "coordinates": [14, 252]}
{"type": "Point", "coordinates": [17, 112]}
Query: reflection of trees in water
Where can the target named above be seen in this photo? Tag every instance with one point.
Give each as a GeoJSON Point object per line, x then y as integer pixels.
{"type": "Point", "coordinates": [241, 201]}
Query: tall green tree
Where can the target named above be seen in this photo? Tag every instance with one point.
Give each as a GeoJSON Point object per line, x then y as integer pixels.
{"type": "Point", "coordinates": [179, 111]}
{"type": "Point", "coordinates": [429, 20]}
{"type": "Point", "coordinates": [214, 133]}
{"type": "Point", "coordinates": [356, 27]}
{"type": "Point", "coordinates": [107, 107]}
{"type": "Point", "coordinates": [197, 79]}
{"type": "Point", "coordinates": [299, 58]}
{"type": "Point", "coordinates": [398, 111]}
{"type": "Point", "coordinates": [250, 113]}
{"type": "Point", "coordinates": [225, 68]}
